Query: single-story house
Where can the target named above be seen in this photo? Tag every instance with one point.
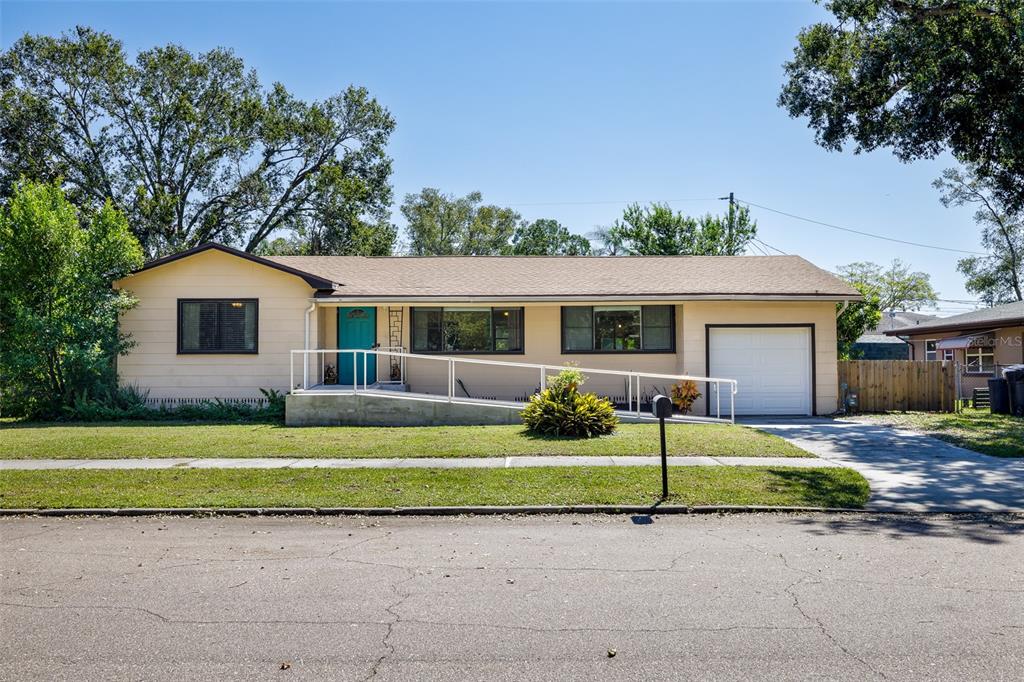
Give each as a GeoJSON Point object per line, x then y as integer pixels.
{"type": "Point", "coordinates": [216, 322]}
{"type": "Point", "coordinates": [875, 345]}
{"type": "Point", "coordinates": [981, 342]}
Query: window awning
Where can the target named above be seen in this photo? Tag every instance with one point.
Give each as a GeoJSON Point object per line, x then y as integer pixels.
{"type": "Point", "coordinates": [967, 341]}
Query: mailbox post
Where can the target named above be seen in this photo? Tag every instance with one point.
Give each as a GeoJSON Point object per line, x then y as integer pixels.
{"type": "Point", "coordinates": [661, 407]}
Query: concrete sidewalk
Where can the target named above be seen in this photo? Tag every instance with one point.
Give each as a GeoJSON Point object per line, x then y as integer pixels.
{"type": "Point", "coordinates": [403, 463]}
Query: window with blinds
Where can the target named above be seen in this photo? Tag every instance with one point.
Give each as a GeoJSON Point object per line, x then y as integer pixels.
{"type": "Point", "coordinates": [208, 325]}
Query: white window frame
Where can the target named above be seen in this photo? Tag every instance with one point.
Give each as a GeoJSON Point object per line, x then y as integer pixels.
{"type": "Point", "coordinates": [933, 352]}
{"type": "Point", "coordinates": [948, 354]}
{"type": "Point", "coordinates": [979, 353]}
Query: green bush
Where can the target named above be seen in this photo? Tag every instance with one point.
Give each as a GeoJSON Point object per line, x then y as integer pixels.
{"type": "Point", "coordinates": [129, 404]}
{"type": "Point", "coordinates": [58, 311]}
{"type": "Point", "coordinates": [562, 410]}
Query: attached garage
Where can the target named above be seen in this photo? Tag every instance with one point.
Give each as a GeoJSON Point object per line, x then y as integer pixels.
{"type": "Point", "coordinates": [773, 365]}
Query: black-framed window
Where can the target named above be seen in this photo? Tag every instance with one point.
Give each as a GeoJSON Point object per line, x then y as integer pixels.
{"type": "Point", "coordinates": [467, 330]}
{"type": "Point", "coordinates": [218, 325]}
{"type": "Point", "coordinates": [618, 329]}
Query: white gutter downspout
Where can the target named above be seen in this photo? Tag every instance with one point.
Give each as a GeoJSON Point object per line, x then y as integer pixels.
{"type": "Point", "coordinates": [305, 356]}
{"type": "Point", "coordinates": [846, 304]}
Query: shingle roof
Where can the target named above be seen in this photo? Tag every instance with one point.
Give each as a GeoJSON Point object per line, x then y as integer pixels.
{"type": "Point", "coordinates": [878, 338]}
{"type": "Point", "coordinates": [898, 319]}
{"type": "Point", "coordinates": [571, 276]}
{"type": "Point", "coordinates": [1006, 315]}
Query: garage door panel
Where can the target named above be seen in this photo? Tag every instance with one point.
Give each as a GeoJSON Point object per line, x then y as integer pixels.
{"type": "Point", "coordinates": [772, 366]}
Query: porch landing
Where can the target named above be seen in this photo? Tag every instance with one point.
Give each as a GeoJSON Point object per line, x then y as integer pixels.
{"type": "Point", "coordinates": [391, 406]}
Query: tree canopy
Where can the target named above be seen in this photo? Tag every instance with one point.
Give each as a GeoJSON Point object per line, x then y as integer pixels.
{"type": "Point", "coordinates": [546, 237]}
{"type": "Point", "coordinates": [191, 147]}
{"type": "Point", "coordinates": [896, 286]}
{"type": "Point", "coordinates": [857, 318]}
{"type": "Point", "coordinates": [998, 277]}
{"type": "Point", "coordinates": [441, 224]}
{"type": "Point", "coordinates": [58, 311]}
{"type": "Point", "coordinates": [657, 230]}
{"type": "Point", "coordinates": [919, 77]}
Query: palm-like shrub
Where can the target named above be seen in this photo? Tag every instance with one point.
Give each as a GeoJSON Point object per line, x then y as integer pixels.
{"type": "Point", "coordinates": [684, 394]}
{"type": "Point", "coordinates": [562, 410]}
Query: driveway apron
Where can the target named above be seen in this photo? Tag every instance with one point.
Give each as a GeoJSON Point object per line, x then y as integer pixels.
{"type": "Point", "coordinates": [907, 471]}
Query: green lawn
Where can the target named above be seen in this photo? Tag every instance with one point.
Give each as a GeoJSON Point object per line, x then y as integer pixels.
{"type": "Point", "coordinates": [992, 434]}
{"type": "Point", "coordinates": [787, 486]}
{"type": "Point", "coordinates": [164, 439]}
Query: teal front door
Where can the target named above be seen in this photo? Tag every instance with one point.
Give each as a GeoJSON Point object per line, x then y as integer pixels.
{"type": "Point", "coordinates": [357, 328]}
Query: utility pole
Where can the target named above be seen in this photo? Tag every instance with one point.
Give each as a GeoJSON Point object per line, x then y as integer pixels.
{"type": "Point", "coordinates": [732, 212]}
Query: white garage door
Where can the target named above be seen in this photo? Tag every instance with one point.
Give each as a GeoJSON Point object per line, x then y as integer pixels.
{"type": "Point", "coordinates": [771, 364]}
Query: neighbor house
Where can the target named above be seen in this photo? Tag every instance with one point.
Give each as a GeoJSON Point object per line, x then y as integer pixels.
{"type": "Point", "coordinates": [979, 342]}
{"type": "Point", "coordinates": [875, 345]}
{"type": "Point", "coordinates": [216, 322]}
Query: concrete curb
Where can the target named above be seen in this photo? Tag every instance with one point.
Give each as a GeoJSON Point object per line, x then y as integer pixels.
{"type": "Point", "coordinates": [481, 510]}
{"type": "Point", "coordinates": [511, 462]}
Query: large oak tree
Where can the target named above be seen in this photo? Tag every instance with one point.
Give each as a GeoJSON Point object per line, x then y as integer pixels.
{"type": "Point", "coordinates": [191, 146]}
{"type": "Point", "coordinates": [999, 276]}
{"type": "Point", "coordinates": [919, 77]}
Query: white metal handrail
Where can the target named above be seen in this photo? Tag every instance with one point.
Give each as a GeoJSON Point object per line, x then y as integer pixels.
{"type": "Point", "coordinates": [544, 370]}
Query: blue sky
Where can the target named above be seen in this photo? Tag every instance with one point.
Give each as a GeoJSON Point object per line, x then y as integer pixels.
{"type": "Point", "coordinates": [569, 110]}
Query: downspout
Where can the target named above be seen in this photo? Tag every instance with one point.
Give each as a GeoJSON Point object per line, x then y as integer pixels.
{"type": "Point", "coordinates": [305, 356]}
{"type": "Point", "coordinates": [842, 394]}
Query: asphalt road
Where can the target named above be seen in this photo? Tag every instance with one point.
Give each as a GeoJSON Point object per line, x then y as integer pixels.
{"type": "Point", "coordinates": [699, 597]}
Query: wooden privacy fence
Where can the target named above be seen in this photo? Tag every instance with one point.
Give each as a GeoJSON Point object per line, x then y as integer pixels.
{"type": "Point", "coordinates": [897, 385]}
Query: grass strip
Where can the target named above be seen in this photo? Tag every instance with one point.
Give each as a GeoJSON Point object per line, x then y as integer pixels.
{"type": "Point", "coordinates": [140, 439]}
{"type": "Point", "coordinates": [999, 435]}
{"type": "Point", "coordinates": [788, 486]}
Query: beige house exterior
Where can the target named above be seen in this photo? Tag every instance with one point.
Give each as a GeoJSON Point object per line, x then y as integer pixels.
{"type": "Point", "coordinates": [696, 312]}
{"type": "Point", "coordinates": [981, 342]}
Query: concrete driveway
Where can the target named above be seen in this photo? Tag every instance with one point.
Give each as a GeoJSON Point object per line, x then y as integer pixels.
{"type": "Point", "coordinates": [908, 471]}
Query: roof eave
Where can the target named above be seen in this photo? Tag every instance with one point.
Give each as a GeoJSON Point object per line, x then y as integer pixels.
{"type": "Point", "coordinates": [963, 326]}
{"type": "Point", "coordinates": [404, 298]}
{"type": "Point", "coordinates": [314, 281]}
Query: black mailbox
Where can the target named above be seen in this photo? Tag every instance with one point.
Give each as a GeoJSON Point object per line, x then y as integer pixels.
{"type": "Point", "coordinates": [661, 407]}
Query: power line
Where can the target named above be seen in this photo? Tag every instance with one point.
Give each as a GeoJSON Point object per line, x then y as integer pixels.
{"type": "Point", "coordinates": [755, 247]}
{"type": "Point", "coordinates": [595, 203]}
{"type": "Point", "coordinates": [861, 232]}
{"type": "Point", "coordinates": [764, 243]}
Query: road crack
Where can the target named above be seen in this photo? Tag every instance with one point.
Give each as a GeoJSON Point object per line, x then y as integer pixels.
{"type": "Point", "coordinates": [396, 618]}
{"type": "Point", "coordinates": [820, 626]}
